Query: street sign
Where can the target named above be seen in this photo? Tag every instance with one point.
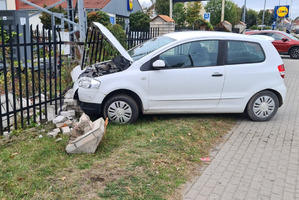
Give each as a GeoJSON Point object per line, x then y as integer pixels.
{"type": "Point", "coordinates": [207, 16]}
{"type": "Point", "coordinates": [281, 11]}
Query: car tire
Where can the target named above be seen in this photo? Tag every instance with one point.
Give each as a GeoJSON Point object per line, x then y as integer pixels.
{"type": "Point", "coordinates": [262, 106]}
{"type": "Point", "coordinates": [121, 109]}
{"type": "Point", "coordinates": [294, 53]}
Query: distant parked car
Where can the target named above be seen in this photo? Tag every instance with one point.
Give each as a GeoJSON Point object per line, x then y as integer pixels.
{"type": "Point", "coordinates": [184, 72]}
{"type": "Point", "coordinates": [285, 43]}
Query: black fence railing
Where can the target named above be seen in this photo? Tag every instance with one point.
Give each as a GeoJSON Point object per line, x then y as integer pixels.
{"type": "Point", "coordinates": [97, 49]}
{"type": "Point", "coordinates": [30, 75]}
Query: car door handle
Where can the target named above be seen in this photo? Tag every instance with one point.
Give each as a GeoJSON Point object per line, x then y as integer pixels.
{"type": "Point", "coordinates": [216, 74]}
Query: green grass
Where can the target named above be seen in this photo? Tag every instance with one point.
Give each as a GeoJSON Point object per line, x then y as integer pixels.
{"type": "Point", "coordinates": [151, 159]}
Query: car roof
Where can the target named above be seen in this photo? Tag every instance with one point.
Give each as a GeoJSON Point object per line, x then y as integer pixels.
{"type": "Point", "coordinates": [189, 35]}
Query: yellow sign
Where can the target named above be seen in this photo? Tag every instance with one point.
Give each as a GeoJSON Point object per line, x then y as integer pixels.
{"type": "Point", "coordinates": [282, 11]}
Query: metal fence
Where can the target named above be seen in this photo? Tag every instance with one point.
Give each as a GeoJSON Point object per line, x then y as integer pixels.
{"type": "Point", "coordinates": [30, 70]}
{"type": "Point", "coordinates": [30, 75]}
{"type": "Point", "coordinates": [97, 49]}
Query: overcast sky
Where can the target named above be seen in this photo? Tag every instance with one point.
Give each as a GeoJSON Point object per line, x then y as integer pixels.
{"type": "Point", "coordinates": [256, 5]}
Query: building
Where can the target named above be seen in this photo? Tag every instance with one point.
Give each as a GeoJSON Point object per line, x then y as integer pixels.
{"type": "Point", "coordinates": [118, 10]}
{"type": "Point", "coordinates": [164, 23]}
{"type": "Point", "coordinates": [8, 4]}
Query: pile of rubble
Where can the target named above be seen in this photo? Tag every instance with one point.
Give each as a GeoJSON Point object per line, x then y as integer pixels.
{"type": "Point", "coordinates": [85, 135]}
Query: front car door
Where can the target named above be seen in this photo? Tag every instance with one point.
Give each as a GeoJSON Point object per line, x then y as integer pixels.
{"type": "Point", "coordinates": [192, 81]}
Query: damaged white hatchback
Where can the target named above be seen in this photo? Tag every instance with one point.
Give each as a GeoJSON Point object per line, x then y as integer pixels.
{"type": "Point", "coordinates": [184, 72]}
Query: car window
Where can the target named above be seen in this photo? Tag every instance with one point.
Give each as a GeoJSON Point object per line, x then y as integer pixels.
{"type": "Point", "coordinates": [277, 36]}
{"type": "Point", "coordinates": [192, 54]}
{"type": "Point", "coordinates": [240, 52]}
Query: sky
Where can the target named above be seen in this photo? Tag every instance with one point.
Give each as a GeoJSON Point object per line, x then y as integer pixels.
{"type": "Point", "coordinates": [256, 5]}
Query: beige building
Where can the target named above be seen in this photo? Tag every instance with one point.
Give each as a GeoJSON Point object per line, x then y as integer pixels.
{"type": "Point", "coordinates": [7, 4]}
{"type": "Point", "coordinates": [164, 23]}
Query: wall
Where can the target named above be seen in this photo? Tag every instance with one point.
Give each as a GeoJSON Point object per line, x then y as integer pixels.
{"type": "Point", "coordinates": [11, 4]}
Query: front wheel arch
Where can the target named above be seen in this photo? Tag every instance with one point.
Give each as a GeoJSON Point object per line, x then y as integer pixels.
{"type": "Point", "coordinates": [124, 92]}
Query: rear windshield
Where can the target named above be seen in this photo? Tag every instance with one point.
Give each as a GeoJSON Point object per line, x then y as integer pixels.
{"type": "Point", "coordinates": [144, 49]}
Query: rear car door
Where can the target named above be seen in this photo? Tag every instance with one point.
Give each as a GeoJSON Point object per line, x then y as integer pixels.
{"type": "Point", "coordinates": [245, 71]}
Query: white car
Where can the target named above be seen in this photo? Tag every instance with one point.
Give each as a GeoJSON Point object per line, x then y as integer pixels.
{"type": "Point", "coordinates": [184, 72]}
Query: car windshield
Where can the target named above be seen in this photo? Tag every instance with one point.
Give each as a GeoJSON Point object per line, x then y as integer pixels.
{"type": "Point", "coordinates": [144, 49]}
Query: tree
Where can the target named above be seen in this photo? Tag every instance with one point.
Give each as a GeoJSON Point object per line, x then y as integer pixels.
{"type": "Point", "coordinates": [230, 11]}
{"type": "Point", "coordinates": [98, 16]}
{"type": "Point", "coordinates": [179, 14]}
{"type": "Point", "coordinates": [162, 7]}
{"type": "Point", "coordinates": [269, 17]}
{"type": "Point", "coordinates": [192, 12]}
{"type": "Point", "coordinates": [251, 17]}
{"type": "Point", "coordinates": [46, 18]}
{"type": "Point", "coordinates": [139, 21]}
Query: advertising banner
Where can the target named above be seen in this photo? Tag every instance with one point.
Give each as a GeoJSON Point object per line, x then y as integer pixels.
{"type": "Point", "coordinates": [281, 11]}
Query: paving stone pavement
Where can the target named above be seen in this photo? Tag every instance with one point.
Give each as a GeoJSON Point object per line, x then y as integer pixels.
{"type": "Point", "coordinates": [259, 160]}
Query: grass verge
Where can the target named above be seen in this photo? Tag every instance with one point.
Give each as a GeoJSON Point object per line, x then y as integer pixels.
{"type": "Point", "coordinates": [151, 159]}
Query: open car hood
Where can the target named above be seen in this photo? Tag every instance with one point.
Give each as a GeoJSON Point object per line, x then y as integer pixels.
{"type": "Point", "coordinates": [112, 40]}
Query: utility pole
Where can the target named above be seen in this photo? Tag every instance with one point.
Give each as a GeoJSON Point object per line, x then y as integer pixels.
{"type": "Point", "coordinates": [264, 15]}
{"type": "Point", "coordinates": [244, 12]}
{"type": "Point", "coordinates": [170, 9]}
{"type": "Point", "coordinates": [222, 11]}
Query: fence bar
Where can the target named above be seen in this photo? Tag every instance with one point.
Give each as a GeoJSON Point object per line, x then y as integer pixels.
{"type": "Point", "coordinates": [50, 64]}
{"type": "Point", "coordinates": [32, 75]}
{"type": "Point", "coordinates": [101, 49]}
{"type": "Point", "coordinates": [97, 46]}
{"type": "Point", "coordinates": [20, 75]}
{"type": "Point", "coordinates": [93, 44]}
{"type": "Point", "coordinates": [13, 78]}
{"type": "Point", "coordinates": [84, 51]}
{"type": "Point", "coordinates": [3, 53]}
{"type": "Point", "coordinates": [5, 80]}
{"type": "Point", "coordinates": [60, 64]}
{"type": "Point", "coordinates": [26, 74]}
{"type": "Point", "coordinates": [55, 70]}
{"type": "Point", "coordinates": [38, 67]}
{"type": "Point", "coordinates": [45, 72]}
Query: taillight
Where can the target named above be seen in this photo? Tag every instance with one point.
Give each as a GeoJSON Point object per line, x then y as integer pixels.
{"type": "Point", "coordinates": [281, 70]}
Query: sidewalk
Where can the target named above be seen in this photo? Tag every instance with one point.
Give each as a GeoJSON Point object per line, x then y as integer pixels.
{"type": "Point", "coordinates": [259, 160]}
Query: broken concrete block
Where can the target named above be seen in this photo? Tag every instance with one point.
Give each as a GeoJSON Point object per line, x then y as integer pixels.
{"type": "Point", "coordinates": [66, 130]}
{"type": "Point", "coordinates": [63, 124]}
{"type": "Point", "coordinates": [63, 108]}
{"type": "Point", "coordinates": [59, 119]}
{"type": "Point", "coordinates": [70, 114]}
{"type": "Point", "coordinates": [88, 142]}
{"type": "Point", "coordinates": [69, 94]}
{"type": "Point", "coordinates": [51, 112]}
{"type": "Point", "coordinates": [70, 102]}
{"type": "Point", "coordinates": [54, 133]}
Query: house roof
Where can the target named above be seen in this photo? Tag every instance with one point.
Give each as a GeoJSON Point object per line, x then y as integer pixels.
{"type": "Point", "coordinates": [164, 17]}
{"type": "Point", "coordinates": [296, 22]}
{"type": "Point", "coordinates": [96, 4]}
{"type": "Point", "coordinates": [240, 22]}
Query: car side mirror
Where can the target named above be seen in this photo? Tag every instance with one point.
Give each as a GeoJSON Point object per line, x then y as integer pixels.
{"type": "Point", "coordinates": [159, 64]}
{"type": "Point", "coordinates": [284, 39]}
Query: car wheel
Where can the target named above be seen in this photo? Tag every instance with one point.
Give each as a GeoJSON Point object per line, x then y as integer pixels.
{"type": "Point", "coordinates": [121, 109]}
{"type": "Point", "coordinates": [294, 53]}
{"type": "Point", "coordinates": [262, 106]}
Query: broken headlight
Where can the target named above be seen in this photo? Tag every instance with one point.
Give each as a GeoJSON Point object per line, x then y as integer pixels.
{"type": "Point", "coordinates": [89, 83]}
